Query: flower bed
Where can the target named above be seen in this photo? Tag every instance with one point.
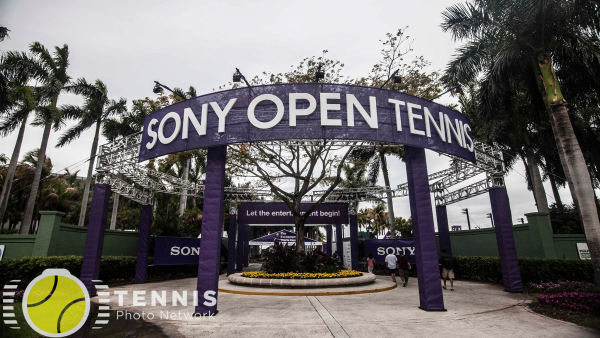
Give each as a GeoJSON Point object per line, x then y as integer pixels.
{"type": "Point", "coordinates": [586, 302]}
{"type": "Point", "coordinates": [550, 288]}
{"type": "Point", "coordinates": [302, 275]}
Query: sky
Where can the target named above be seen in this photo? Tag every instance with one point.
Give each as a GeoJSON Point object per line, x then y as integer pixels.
{"type": "Point", "coordinates": [130, 44]}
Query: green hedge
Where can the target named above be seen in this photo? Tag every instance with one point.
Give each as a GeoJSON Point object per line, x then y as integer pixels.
{"type": "Point", "coordinates": [533, 270]}
{"type": "Point", "coordinates": [112, 268]}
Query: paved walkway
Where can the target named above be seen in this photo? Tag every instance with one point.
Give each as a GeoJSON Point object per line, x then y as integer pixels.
{"type": "Point", "coordinates": [474, 310]}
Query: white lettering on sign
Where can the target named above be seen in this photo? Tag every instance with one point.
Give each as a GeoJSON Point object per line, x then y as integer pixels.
{"type": "Point", "coordinates": [185, 251]}
{"type": "Point", "coordinates": [406, 250]}
{"type": "Point", "coordinates": [304, 104]}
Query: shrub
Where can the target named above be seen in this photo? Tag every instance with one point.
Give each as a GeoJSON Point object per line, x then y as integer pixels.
{"type": "Point", "coordinates": [533, 270]}
{"type": "Point", "coordinates": [113, 269]}
{"type": "Point", "coordinates": [280, 259]}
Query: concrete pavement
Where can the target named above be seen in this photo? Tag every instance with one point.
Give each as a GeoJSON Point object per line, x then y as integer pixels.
{"type": "Point", "coordinates": [474, 310]}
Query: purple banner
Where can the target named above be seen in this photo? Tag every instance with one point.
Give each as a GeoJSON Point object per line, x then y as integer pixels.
{"type": "Point", "coordinates": [383, 247]}
{"type": "Point", "coordinates": [279, 213]}
{"type": "Point", "coordinates": [306, 111]}
{"type": "Point", "coordinates": [176, 250]}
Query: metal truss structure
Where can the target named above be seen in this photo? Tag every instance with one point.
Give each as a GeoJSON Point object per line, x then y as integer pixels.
{"type": "Point", "coordinates": [117, 165]}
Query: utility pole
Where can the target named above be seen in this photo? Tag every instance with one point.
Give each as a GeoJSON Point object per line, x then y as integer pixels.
{"type": "Point", "coordinates": [489, 215]}
{"type": "Point", "coordinates": [466, 211]}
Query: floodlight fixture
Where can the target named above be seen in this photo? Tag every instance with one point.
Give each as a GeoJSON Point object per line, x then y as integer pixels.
{"type": "Point", "coordinates": [397, 78]}
{"type": "Point", "coordinates": [158, 89]}
{"type": "Point", "coordinates": [319, 74]}
{"type": "Point", "coordinates": [238, 77]}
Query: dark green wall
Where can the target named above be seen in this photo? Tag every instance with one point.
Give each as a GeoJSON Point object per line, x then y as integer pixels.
{"type": "Point", "coordinates": [16, 246]}
{"type": "Point", "coordinates": [71, 241]}
{"type": "Point", "coordinates": [566, 245]}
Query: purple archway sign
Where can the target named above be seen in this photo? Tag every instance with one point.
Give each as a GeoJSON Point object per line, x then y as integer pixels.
{"type": "Point", "coordinates": [308, 111]}
{"type": "Point", "coordinates": [428, 271]}
{"type": "Point", "coordinates": [94, 240]}
{"type": "Point", "coordinates": [231, 241]}
{"type": "Point", "coordinates": [511, 274]}
{"type": "Point", "coordinates": [444, 233]}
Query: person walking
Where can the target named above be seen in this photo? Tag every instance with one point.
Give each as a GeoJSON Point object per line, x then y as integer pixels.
{"type": "Point", "coordinates": [391, 260]}
{"type": "Point", "coordinates": [447, 269]}
{"type": "Point", "coordinates": [403, 267]}
{"type": "Point", "coordinates": [370, 263]}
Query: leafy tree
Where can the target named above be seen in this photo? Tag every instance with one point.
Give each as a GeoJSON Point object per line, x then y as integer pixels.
{"type": "Point", "coordinates": [528, 40]}
{"type": "Point", "coordinates": [96, 109]}
{"type": "Point", "coordinates": [50, 72]}
{"type": "Point", "coordinates": [404, 227]}
{"type": "Point", "coordinates": [415, 81]}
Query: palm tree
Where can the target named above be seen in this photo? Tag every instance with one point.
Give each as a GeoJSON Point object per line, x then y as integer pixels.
{"type": "Point", "coordinates": [50, 71]}
{"type": "Point", "coordinates": [376, 158]}
{"type": "Point", "coordinates": [527, 41]}
{"type": "Point", "coordinates": [96, 109]}
{"type": "Point", "coordinates": [23, 100]}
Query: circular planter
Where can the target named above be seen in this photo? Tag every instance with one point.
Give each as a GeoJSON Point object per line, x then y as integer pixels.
{"type": "Point", "coordinates": [302, 283]}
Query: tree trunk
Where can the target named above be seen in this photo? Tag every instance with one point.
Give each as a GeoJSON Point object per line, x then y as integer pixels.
{"type": "Point", "coordinates": [28, 217]}
{"type": "Point", "coordinates": [529, 182]}
{"type": "Point", "coordinates": [581, 182]}
{"type": "Point", "coordinates": [184, 176]}
{"type": "Point", "coordinates": [569, 147]}
{"type": "Point", "coordinates": [388, 192]}
{"type": "Point", "coordinates": [12, 167]}
{"type": "Point", "coordinates": [559, 202]}
{"type": "Point", "coordinates": [536, 180]}
{"type": "Point", "coordinates": [88, 179]}
{"type": "Point", "coordinates": [299, 233]}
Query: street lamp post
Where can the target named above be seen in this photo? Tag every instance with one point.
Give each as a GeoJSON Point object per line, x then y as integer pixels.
{"type": "Point", "coordinates": [158, 88]}
{"type": "Point", "coordinates": [489, 215]}
{"type": "Point", "coordinates": [466, 212]}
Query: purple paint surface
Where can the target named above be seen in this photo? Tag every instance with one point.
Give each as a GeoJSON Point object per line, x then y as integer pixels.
{"type": "Point", "coordinates": [428, 272]}
{"type": "Point", "coordinates": [239, 129]}
{"type": "Point", "coordinates": [212, 221]}
{"type": "Point", "coordinates": [141, 267]}
{"type": "Point", "coordinates": [507, 250]}
{"type": "Point", "coordinates": [231, 244]}
{"type": "Point", "coordinates": [278, 213]}
{"type": "Point", "coordinates": [444, 233]}
{"type": "Point", "coordinates": [94, 239]}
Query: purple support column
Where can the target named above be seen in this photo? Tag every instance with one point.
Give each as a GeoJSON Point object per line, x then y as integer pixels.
{"type": "Point", "coordinates": [240, 248]}
{"type": "Point", "coordinates": [511, 274]}
{"type": "Point", "coordinates": [428, 271]}
{"type": "Point", "coordinates": [442, 222]}
{"type": "Point", "coordinates": [247, 245]}
{"type": "Point", "coordinates": [329, 234]}
{"type": "Point", "coordinates": [354, 240]}
{"type": "Point", "coordinates": [141, 267]}
{"type": "Point", "coordinates": [339, 241]}
{"type": "Point", "coordinates": [94, 240]}
{"type": "Point", "coordinates": [231, 241]}
{"type": "Point", "coordinates": [210, 249]}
